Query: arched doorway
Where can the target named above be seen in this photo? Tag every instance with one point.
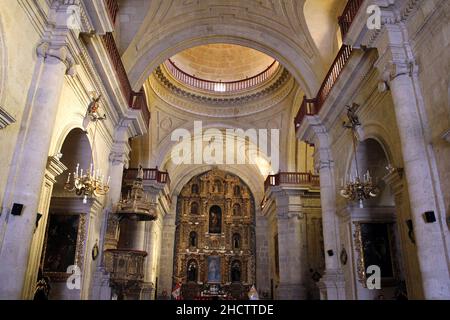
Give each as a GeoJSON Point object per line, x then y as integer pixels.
{"type": "Point", "coordinates": [223, 259]}
{"type": "Point", "coordinates": [377, 229]}
{"type": "Point", "coordinates": [67, 225]}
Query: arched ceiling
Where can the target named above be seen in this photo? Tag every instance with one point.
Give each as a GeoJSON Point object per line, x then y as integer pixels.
{"type": "Point", "coordinates": [275, 27]}
{"type": "Point", "coordinates": [295, 34]}
{"type": "Point", "coordinates": [222, 62]}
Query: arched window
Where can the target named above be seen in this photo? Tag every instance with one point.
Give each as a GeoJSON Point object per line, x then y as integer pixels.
{"type": "Point", "coordinates": [236, 241]}
{"type": "Point", "coordinates": [194, 189]}
{"type": "Point", "coordinates": [192, 271]}
{"type": "Point", "coordinates": [237, 191]}
{"type": "Point", "coordinates": [215, 219]}
{"type": "Point", "coordinates": [194, 208]}
{"type": "Point", "coordinates": [193, 239]}
{"type": "Point", "coordinates": [236, 209]}
{"type": "Point", "coordinates": [235, 271]}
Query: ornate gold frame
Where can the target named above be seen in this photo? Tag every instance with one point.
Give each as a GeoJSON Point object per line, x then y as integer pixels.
{"type": "Point", "coordinates": [360, 263]}
{"type": "Point", "coordinates": [81, 241]}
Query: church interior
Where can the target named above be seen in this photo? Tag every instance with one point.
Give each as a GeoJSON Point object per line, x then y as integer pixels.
{"type": "Point", "coordinates": [224, 149]}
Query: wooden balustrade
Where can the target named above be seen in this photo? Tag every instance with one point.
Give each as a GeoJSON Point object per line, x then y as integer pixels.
{"type": "Point", "coordinates": [136, 100]}
{"type": "Point", "coordinates": [333, 75]}
{"type": "Point", "coordinates": [348, 15]}
{"type": "Point", "coordinates": [292, 178]}
{"type": "Point", "coordinates": [113, 9]}
{"type": "Point", "coordinates": [307, 108]}
{"type": "Point", "coordinates": [221, 87]}
{"type": "Point", "coordinates": [116, 60]}
{"type": "Point", "coordinates": [139, 102]}
{"type": "Point", "coordinates": [345, 21]}
{"type": "Point", "coordinates": [313, 106]}
{"type": "Point", "coordinates": [148, 174]}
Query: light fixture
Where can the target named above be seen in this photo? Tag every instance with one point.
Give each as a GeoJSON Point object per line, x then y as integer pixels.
{"type": "Point", "coordinates": [89, 182]}
{"type": "Point", "coordinates": [357, 188]}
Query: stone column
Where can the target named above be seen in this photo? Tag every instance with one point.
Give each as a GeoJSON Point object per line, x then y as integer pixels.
{"type": "Point", "coordinates": [118, 160]}
{"type": "Point", "coordinates": [54, 168]}
{"type": "Point", "coordinates": [54, 62]}
{"type": "Point", "coordinates": [262, 256]}
{"type": "Point", "coordinates": [398, 68]}
{"type": "Point", "coordinates": [291, 245]}
{"type": "Point", "coordinates": [167, 250]}
{"type": "Point", "coordinates": [332, 283]}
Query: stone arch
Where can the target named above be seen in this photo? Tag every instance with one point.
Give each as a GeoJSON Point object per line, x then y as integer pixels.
{"type": "Point", "coordinates": [151, 53]}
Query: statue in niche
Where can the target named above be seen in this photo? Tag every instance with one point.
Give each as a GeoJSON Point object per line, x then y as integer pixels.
{"type": "Point", "coordinates": [193, 239]}
{"type": "Point", "coordinates": [194, 208]}
{"type": "Point", "coordinates": [213, 269]}
{"type": "Point", "coordinates": [194, 189]}
{"type": "Point", "coordinates": [217, 186]}
{"type": "Point", "coordinates": [215, 219]}
{"type": "Point", "coordinates": [237, 191]}
{"type": "Point", "coordinates": [236, 209]}
{"type": "Point", "coordinates": [192, 271]}
{"type": "Point", "coordinates": [236, 241]}
{"type": "Point", "coordinates": [236, 271]}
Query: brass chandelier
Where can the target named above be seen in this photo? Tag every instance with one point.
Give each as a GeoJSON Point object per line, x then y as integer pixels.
{"type": "Point", "coordinates": [357, 188]}
{"type": "Point", "coordinates": [89, 182]}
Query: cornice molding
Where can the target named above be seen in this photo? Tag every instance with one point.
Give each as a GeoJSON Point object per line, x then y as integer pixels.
{"type": "Point", "coordinates": [5, 118]}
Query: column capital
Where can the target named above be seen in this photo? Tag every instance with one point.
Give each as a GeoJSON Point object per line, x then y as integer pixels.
{"type": "Point", "coordinates": [391, 68]}
{"type": "Point", "coordinates": [120, 153]}
{"type": "Point", "coordinates": [54, 167]}
{"type": "Point", "coordinates": [61, 52]}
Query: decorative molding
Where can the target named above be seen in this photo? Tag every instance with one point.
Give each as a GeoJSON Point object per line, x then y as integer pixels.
{"type": "Point", "coordinates": [5, 118]}
{"type": "Point", "coordinates": [60, 52]}
{"type": "Point", "coordinates": [222, 106]}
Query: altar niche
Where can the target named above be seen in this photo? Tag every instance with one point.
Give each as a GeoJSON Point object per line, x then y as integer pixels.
{"type": "Point", "coordinates": [215, 236]}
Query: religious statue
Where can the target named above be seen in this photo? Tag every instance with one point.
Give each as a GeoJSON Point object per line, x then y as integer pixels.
{"type": "Point", "coordinates": [140, 175]}
{"type": "Point", "coordinates": [236, 272]}
{"type": "Point", "coordinates": [213, 269]}
{"type": "Point", "coordinates": [192, 271]}
{"type": "Point", "coordinates": [353, 120]}
{"type": "Point", "coordinates": [92, 113]}
{"type": "Point", "coordinates": [215, 220]}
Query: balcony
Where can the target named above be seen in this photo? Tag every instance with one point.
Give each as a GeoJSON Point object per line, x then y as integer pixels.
{"type": "Point", "coordinates": [152, 174]}
{"type": "Point", "coordinates": [113, 9]}
{"type": "Point", "coordinates": [221, 87]}
{"type": "Point", "coordinates": [136, 100]}
{"type": "Point", "coordinates": [313, 106]}
{"type": "Point", "coordinates": [346, 19]}
{"type": "Point", "coordinates": [292, 178]}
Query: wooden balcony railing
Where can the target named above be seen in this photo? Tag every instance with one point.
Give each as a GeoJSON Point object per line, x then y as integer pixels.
{"type": "Point", "coordinates": [333, 74]}
{"type": "Point", "coordinates": [136, 100]}
{"type": "Point", "coordinates": [307, 108]}
{"type": "Point", "coordinates": [113, 9]}
{"type": "Point", "coordinates": [221, 87]}
{"type": "Point", "coordinates": [139, 102]}
{"type": "Point", "coordinates": [349, 14]}
{"type": "Point", "coordinates": [313, 106]}
{"type": "Point", "coordinates": [148, 174]}
{"type": "Point", "coordinates": [292, 178]}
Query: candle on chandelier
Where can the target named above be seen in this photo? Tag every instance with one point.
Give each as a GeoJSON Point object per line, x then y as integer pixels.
{"type": "Point", "coordinates": [78, 166]}
{"type": "Point", "coordinates": [91, 171]}
{"type": "Point", "coordinates": [109, 179]}
{"type": "Point", "coordinates": [68, 178]}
